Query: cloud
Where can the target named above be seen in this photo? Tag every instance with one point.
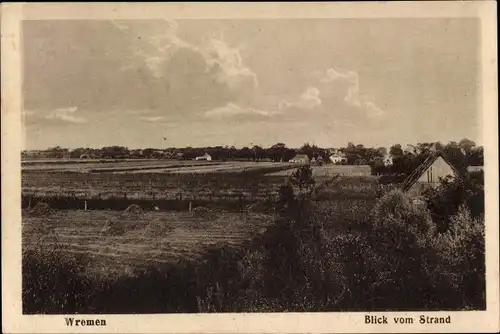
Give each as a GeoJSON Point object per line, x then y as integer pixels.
{"type": "Point", "coordinates": [58, 117]}
{"type": "Point", "coordinates": [350, 82]}
{"type": "Point", "coordinates": [232, 109]}
{"type": "Point", "coordinates": [228, 59]}
{"type": "Point", "coordinates": [373, 109]}
{"type": "Point", "coordinates": [156, 47]}
{"type": "Point", "coordinates": [151, 119]}
{"type": "Point", "coordinates": [66, 115]}
{"type": "Point", "coordinates": [307, 100]}
{"type": "Point", "coordinates": [332, 75]}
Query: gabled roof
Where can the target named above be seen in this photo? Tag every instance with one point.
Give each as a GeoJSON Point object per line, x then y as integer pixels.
{"type": "Point", "coordinates": [301, 156]}
{"type": "Point", "coordinates": [420, 170]}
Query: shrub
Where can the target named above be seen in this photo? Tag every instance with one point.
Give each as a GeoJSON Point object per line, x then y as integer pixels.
{"type": "Point", "coordinates": [445, 201]}
{"type": "Point", "coordinates": [311, 259]}
{"type": "Point", "coordinates": [462, 249]}
{"type": "Point", "coordinates": [52, 282]}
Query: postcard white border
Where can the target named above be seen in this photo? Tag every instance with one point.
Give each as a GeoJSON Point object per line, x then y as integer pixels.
{"type": "Point", "coordinates": [13, 320]}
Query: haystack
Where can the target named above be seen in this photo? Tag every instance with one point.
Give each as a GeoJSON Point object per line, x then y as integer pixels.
{"type": "Point", "coordinates": [201, 212]}
{"type": "Point", "coordinates": [113, 228]}
{"type": "Point", "coordinates": [157, 229]}
{"type": "Point", "coordinates": [41, 210]}
{"type": "Point", "coordinates": [134, 209]}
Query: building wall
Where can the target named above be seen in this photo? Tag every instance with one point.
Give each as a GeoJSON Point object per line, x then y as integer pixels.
{"type": "Point", "coordinates": [337, 159]}
{"type": "Point", "coordinates": [439, 169]}
{"type": "Point", "coordinates": [431, 178]}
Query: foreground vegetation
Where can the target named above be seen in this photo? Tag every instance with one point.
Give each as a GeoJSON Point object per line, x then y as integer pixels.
{"type": "Point", "coordinates": [393, 255]}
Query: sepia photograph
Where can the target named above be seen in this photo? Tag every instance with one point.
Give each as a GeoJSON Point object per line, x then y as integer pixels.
{"type": "Point", "coordinates": [200, 165]}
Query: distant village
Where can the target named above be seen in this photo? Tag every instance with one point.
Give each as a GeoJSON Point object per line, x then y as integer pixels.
{"type": "Point", "coordinates": [393, 160]}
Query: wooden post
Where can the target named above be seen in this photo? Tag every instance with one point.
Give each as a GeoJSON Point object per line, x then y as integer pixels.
{"type": "Point", "coordinates": [85, 205]}
{"type": "Point", "coordinates": [189, 206]}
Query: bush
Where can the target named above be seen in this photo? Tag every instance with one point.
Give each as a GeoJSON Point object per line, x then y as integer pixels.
{"type": "Point", "coordinates": [462, 249]}
{"type": "Point", "coordinates": [445, 201]}
{"type": "Point", "coordinates": [53, 283]}
{"type": "Point", "coordinates": [310, 259]}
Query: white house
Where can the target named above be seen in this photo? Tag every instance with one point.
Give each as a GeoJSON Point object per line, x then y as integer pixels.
{"type": "Point", "coordinates": [475, 169]}
{"type": "Point", "coordinates": [205, 156]}
{"type": "Point", "coordinates": [387, 160]}
{"type": "Point", "coordinates": [300, 158]}
{"type": "Point", "coordinates": [338, 158]}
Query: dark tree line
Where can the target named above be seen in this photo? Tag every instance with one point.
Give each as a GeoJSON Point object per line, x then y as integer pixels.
{"type": "Point", "coordinates": [462, 154]}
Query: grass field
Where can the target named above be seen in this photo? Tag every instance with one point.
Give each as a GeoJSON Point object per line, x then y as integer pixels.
{"type": "Point", "coordinates": [161, 185]}
{"type": "Point", "coordinates": [121, 242]}
{"type": "Point", "coordinates": [328, 171]}
{"type": "Point", "coordinates": [109, 166]}
{"type": "Point", "coordinates": [153, 166]}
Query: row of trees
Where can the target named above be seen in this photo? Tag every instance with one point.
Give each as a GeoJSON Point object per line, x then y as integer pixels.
{"type": "Point", "coordinates": [463, 153]}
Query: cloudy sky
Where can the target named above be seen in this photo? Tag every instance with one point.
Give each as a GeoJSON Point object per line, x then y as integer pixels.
{"type": "Point", "coordinates": [160, 83]}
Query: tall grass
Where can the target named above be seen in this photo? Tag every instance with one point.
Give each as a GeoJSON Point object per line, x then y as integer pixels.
{"type": "Point", "coordinates": [311, 259]}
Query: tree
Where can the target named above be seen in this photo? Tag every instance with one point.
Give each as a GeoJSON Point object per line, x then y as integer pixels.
{"type": "Point", "coordinates": [302, 179]}
{"type": "Point", "coordinates": [445, 201]}
{"type": "Point", "coordinates": [476, 157]}
{"type": "Point", "coordinates": [396, 151]}
{"type": "Point", "coordinates": [382, 151]}
{"type": "Point", "coordinates": [467, 145]}
{"type": "Point", "coordinates": [279, 152]}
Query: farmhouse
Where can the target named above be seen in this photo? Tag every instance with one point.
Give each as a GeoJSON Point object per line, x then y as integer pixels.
{"type": "Point", "coordinates": [387, 160]}
{"type": "Point", "coordinates": [205, 156]}
{"type": "Point", "coordinates": [475, 169]}
{"type": "Point", "coordinates": [338, 158]}
{"type": "Point", "coordinates": [300, 158]}
{"type": "Point", "coordinates": [429, 174]}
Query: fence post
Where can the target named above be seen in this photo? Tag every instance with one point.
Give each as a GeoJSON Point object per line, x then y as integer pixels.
{"type": "Point", "coordinates": [85, 205]}
{"type": "Point", "coordinates": [189, 206]}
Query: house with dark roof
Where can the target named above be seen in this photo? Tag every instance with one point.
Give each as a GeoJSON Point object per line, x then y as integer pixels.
{"type": "Point", "coordinates": [300, 158]}
{"type": "Point", "coordinates": [428, 174]}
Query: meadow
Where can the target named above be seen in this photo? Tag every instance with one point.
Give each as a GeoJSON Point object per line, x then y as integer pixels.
{"type": "Point", "coordinates": [121, 242]}
{"type": "Point", "coordinates": [86, 212]}
{"type": "Point", "coordinates": [153, 180]}
{"type": "Point", "coordinates": [347, 245]}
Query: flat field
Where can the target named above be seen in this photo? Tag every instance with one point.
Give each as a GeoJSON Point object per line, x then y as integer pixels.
{"type": "Point", "coordinates": [87, 166]}
{"type": "Point", "coordinates": [121, 242]}
{"type": "Point", "coordinates": [328, 171]}
{"type": "Point", "coordinates": [152, 166]}
{"type": "Point", "coordinates": [94, 185]}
